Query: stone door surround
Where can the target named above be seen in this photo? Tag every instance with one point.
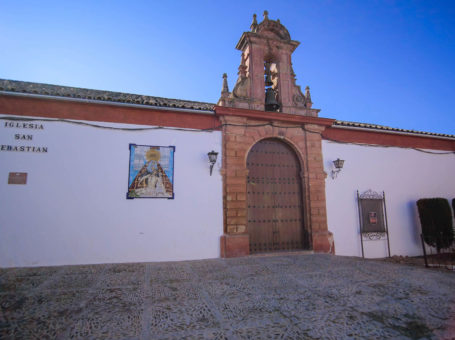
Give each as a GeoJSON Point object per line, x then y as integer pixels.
{"type": "Point", "coordinates": [243, 128]}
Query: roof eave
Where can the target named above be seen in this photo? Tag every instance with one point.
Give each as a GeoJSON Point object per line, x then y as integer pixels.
{"type": "Point", "coordinates": [106, 102]}
{"type": "Point", "coordinates": [383, 129]}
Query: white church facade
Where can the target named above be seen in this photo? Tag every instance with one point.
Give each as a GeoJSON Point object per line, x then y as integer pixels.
{"type": "Point", "coordinates": [90, 176]}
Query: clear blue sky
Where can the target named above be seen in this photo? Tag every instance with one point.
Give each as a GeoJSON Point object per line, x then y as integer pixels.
{"type": "Point", "coordinates": [384, 62]}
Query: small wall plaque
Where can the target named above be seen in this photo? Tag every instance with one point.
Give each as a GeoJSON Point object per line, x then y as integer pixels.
{"type": "Point", "coordinates": [17, 178]}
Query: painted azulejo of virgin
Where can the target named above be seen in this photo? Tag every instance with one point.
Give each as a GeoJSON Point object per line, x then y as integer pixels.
{"type": "Point", "coordinates": [151, 171]}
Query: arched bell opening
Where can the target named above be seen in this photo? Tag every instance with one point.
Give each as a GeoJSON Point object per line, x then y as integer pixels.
{"type": "Point", "coordinates": [275, 207]}
{"type": "Point", "coordinates": [271, 86]}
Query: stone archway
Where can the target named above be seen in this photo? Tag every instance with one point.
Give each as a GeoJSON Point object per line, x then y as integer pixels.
{"type": "Point", "coordinates": [240, 134]}
{"type": "Point", "coordinates": [275, 210]}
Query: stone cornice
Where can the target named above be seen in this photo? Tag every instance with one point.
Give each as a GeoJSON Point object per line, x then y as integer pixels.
{"type": "Point", "coordinates": [255, 37]}
{"type": "Point", "coordinates": [272, 116]}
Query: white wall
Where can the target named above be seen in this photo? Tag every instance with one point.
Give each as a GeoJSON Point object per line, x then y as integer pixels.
{"type": "Point", "coordinates": [405, 175]}
{"type": "Point", "coordinates": [73, 209]}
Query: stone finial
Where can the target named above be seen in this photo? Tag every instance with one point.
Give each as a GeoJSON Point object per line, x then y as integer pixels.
{"type": "Point", "coordinates": [266, 15]}
{"type": "Point", "coordinates": [225, 89]}
{"type": "Point", "coordinates": [308, 97]}
{"type": "Point", "coordinates": [254, 24]}
{"type": "Point", "coordinates": [242, 71]}
{"type": "Point", "coordinates": [242, 67]}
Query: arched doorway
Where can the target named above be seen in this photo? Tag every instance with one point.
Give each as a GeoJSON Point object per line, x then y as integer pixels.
{"type": "Point", "coordinates": [274, 194]}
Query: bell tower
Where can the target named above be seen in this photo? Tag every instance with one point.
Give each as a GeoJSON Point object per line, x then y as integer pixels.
{"type": "Point", "coordinates": [266, 80]}
{"type": "Point", "coordinates": [269, 128]}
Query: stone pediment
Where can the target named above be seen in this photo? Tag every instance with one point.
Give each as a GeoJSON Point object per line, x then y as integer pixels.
{"type": "Point", "coordinates": [273, 29]}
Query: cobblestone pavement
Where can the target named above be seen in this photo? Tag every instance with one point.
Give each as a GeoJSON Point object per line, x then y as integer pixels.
{"type": "Point", "coordinates": [273, 297]}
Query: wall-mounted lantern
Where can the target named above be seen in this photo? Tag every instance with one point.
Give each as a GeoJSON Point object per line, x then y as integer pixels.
{"type": "Point", "coordinates": [338, 163]}
{"type": "Point", "coordinates": [212, 159]}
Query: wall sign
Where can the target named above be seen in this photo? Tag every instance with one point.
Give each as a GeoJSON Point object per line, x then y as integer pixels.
{"type": "Point", "coordinates": [20, 137]}
{"type": "Point", "coordinates": [17, 178]}
{"type": "Point", "coordinates": [151, 172]}
{"type": "Point", "coordinates": [373, 217]}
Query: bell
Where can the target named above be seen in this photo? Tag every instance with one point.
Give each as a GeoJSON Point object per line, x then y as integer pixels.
{"type": "Point", "coordinates": [268, 79]}
{"type": "Point", "coordinates": [270, 100]}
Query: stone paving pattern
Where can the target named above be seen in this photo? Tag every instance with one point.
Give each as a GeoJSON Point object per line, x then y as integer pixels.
{"type": "Point", "coordinates": [272, 297]}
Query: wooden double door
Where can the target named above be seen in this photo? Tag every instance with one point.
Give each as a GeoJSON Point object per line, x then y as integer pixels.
{"type": "Point", "coordinates": [274, 194]}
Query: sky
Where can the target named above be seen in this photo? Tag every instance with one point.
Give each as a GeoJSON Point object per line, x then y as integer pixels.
{"type": "Point", "coordinates": [383, 62]}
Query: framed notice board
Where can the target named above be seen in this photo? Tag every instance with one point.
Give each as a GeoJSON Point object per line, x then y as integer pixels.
{"type": "Point", "coordinates": [373, 218]}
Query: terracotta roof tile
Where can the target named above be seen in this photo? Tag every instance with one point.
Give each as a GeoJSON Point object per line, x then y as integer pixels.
{"type": "Point", "coordinates": [105, 96]}
{"type": "Point", "coordinates": [119, 97]}
{"type": "Point", "coordinates": [387, 128]}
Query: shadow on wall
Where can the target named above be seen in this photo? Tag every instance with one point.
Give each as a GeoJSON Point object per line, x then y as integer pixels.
{"type": "Point", "coordinates": [413, 212]}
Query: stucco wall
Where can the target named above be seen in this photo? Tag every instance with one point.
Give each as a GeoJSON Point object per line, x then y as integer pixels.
{"type": "Point", "coordinates": [405, 175]}
{"type": "Point", "coordinates": [73, 209]}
